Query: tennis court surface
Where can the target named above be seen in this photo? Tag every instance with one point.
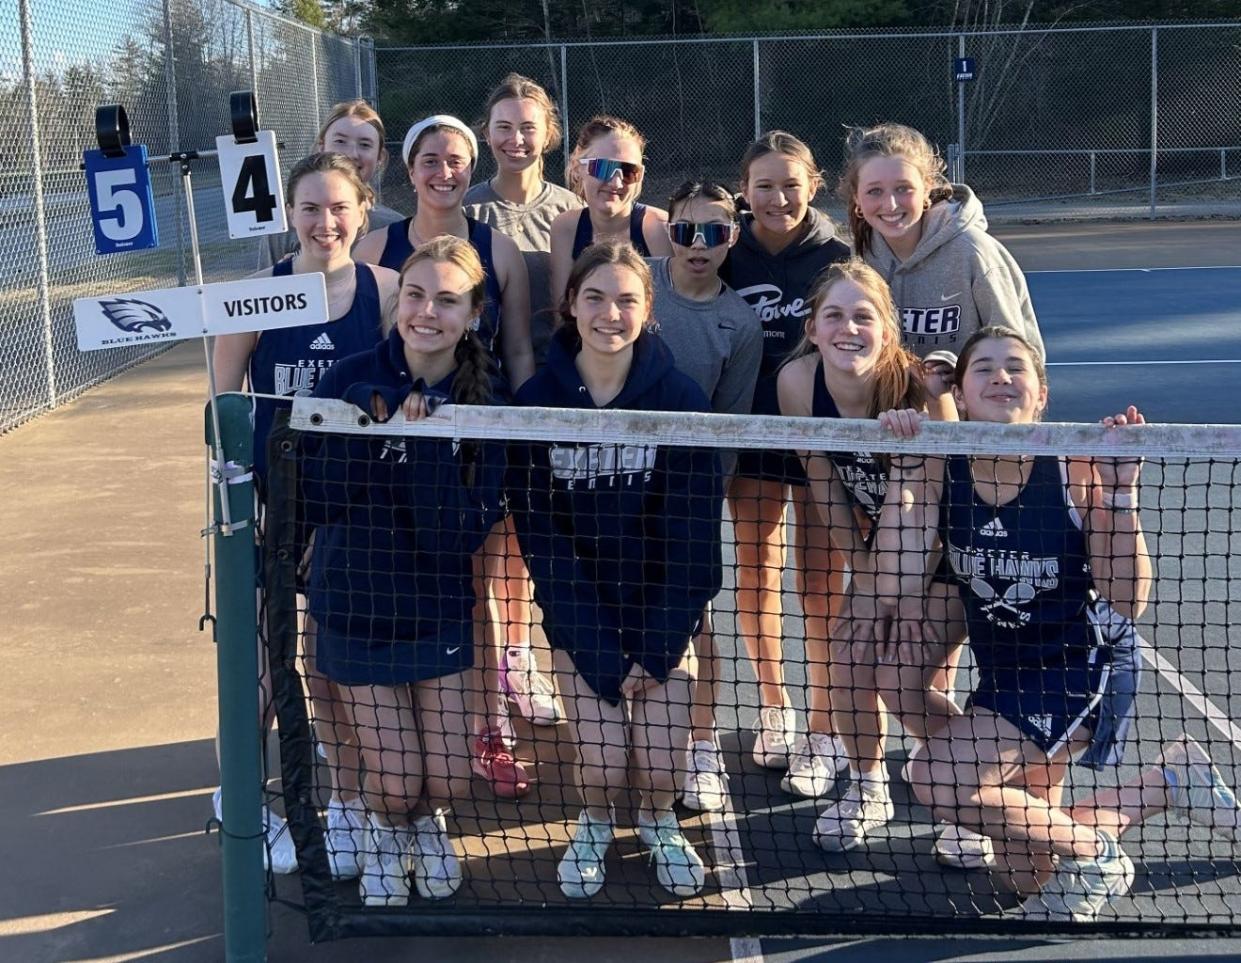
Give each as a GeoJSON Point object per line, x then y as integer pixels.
{"type": "Point", "coordinates": [104, 800]}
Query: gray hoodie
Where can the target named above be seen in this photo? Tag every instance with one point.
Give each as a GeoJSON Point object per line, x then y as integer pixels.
{"type": "Point", "coordinates": [958, 279]}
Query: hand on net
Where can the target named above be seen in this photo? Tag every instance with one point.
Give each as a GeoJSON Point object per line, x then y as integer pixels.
{"type": "Point", "coordinates": [1119, 475]}
{"type": "Point", "coordinates": [902, 422]}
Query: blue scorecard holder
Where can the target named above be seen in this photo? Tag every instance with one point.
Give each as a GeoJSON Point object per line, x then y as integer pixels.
{"type": "Point", "coordinates": [122, 203]}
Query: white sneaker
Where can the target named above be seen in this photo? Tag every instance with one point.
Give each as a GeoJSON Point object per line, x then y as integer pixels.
{"type": "Point", "coordinates": [384, 880]}
{"type": "Point", "coordinates": [865, 807]}
{"type": "Point", "coordinates": [1082, 888]}
{"type": "Point", "coordinates": [436, 869]}
{"type": "Point", "coordinates": [580, 872]}
{"type": "Point", "coordinates": [817, 759]}
{"type": "Point", "coordinates": [529, 688]}
{"type": "Point", "coordinates": [704, 778]}
{"type": "Point", "coordinates": [776, 729]}
{"type": "Point", "coordinates": [959, 848]}
{"type": "Point", "coordinates": [677, 866]}
{"type": "Point", "coordinates": [346, 829]}
{"type": "Point", "coordinates": [279, 853]}
{"type": "Point", "coordinates": [1198, 789]}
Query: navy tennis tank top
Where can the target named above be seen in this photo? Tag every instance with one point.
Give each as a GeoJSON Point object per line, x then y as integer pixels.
{"type": "Point", "coordinates": [397, 250]}
{"type": "Point", "coordinates": [1023, 568]}
{"type": "Point", "coordinates": [585, 234]}
{"type": "Point", "coordinates": [287, 361]}
{"type": "Point", "coordinates": [865, 482]}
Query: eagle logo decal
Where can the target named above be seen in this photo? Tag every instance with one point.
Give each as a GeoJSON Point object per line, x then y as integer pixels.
{"type": "Point", "coordinates": [134, 316]}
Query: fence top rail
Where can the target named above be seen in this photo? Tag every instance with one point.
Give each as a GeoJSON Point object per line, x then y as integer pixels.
{"type": "Point", "coordinates": [1094, 150]}
{"type": "Point", "coordinates": [269, 14]}
{"type": "Point", "coordinates": [943, 32]}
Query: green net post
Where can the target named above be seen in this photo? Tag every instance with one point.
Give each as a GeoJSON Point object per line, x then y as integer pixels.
{"type": "Point", "coordinates": [245, 933]}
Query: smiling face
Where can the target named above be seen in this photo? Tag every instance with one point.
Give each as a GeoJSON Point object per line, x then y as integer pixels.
{"type": "Point", "coordinates": [327, 215]}
{"type": "Point", "coordinates": [517, 134]}
{"type": "Point", "coordinates": [778, 188]}
{"type": "Point", "coordinates": [610, 309]}
{"type": "Point", "coordinates": [1001, 383]}
{"type": "Point", "coordinates": [892, 195]}
{"type": "Point", "coordinates": [698, 259]}
{"type": "Point", "coordinates": [848, 328]}
{"type": "Point", "coordinates": [612, 198]}
{"type": "Point", "coordinates": [357, 140]}
{"type": "Point", "coordinates": [440, 167]}
{"type": "Point", "coordinates": [435, 307]}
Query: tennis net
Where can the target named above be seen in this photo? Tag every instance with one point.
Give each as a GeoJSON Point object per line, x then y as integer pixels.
{"type": "Point", "coordinates": [827, 756]}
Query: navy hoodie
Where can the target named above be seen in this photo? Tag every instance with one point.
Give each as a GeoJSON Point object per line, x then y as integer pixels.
{"type": "Point", "coordinates": [622, 541]}
{"type": "Point", "coordinates": [777, 286]}
{"type": "Point", "coordinates": [398, 517]}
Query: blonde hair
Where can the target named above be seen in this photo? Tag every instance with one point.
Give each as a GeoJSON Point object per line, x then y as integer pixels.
{"type": "Point", "coordinates": [887, 140]}
{"type": "Point", "coordinates": [358, 110]}
{"type": "Point", "coordinates": [519, 87]}
{"type": "Point", "coordinates": [786, 144]}
{"type": "Point", "coordinates": [898, 382]}
{"type": "Point", "coordinates": [598, 126]}
{"type": "Point", "coordinates": [473, 383]}
{"type": "Point", "coordinates": [330, 162]}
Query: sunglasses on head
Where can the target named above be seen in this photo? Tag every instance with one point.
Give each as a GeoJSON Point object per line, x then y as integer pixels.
{"type": "Point", "coordinates": [603, 169]}
{"type": "Point", "coordinates": [684, 233]}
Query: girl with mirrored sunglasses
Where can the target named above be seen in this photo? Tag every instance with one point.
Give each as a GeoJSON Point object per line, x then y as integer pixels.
{"type": "Point", "coordinates": [605, 168]}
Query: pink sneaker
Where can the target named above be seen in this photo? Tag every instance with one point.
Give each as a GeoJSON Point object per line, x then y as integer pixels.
{"type": "Point", "coordinates": [493, 761]}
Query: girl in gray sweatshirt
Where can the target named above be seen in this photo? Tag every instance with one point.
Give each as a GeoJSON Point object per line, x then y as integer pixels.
{"type": "Point", "coordinates": [929, 241]}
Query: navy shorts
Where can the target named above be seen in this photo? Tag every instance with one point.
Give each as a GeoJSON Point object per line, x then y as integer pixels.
{"type": "Point", "coordinates": [784, 466]}
{"type": "Point", "coordinates": [1050, 704]}
{"type": "Point", "coordinates": [348, 660]}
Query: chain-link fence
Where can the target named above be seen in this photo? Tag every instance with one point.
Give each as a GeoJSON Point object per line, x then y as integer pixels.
{"type": "Point", "coordinates": [1086, 121]}
{"type": "Point", "coordinates": [172, 63]}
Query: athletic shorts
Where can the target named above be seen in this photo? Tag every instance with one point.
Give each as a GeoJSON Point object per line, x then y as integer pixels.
{"type": "Point", "coordinates": [1050, 704]}
{"type": "Point", "coordinates": [1118, 708]}
{"type": "Point", "coordinates": [348, 660]}
{"type": "Point", "coordinates": [784, 466]}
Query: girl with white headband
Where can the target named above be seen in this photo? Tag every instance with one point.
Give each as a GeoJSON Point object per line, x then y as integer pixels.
{"type": "Point", "coordinates": [440, 153]}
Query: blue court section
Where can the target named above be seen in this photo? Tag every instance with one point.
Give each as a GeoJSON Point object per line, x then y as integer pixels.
{"type": "Point", "coordinates": [1167, 340]}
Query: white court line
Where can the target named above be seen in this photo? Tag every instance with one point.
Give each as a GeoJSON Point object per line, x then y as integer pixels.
{"type": "Point", "coordinates": [1092, 364]}
{"type": "Point", "coordinates": [1151, 270]}
{"type": "Point", "coordinates": [1215, 717]}
{"type": "Point", "coordinates": [730, 871]}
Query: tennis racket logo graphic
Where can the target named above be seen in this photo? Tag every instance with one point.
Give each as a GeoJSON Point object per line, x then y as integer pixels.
{"type": "Point", "coordinates": [1016, 595]}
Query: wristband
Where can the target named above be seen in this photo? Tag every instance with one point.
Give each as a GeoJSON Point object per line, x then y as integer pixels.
{"type": "Point", "coordinates": [1125, 502]}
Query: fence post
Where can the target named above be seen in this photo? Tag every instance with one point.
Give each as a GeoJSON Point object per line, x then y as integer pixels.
{"type": "Point", "coordinates": [254, 68]}
{"type": "Point", "coordinates": [758, 103]}
{"type": "Point", "coordinates": [357, 67]}
{"type": "Point", "coordinates": [564, 91]}
{"type": "Point", "coordinates": [374, 58]}
{"type": "Point", "coordinates": [960, 114]}
{"type": "Point", "coordinates": [1154, 114]}
{"type": "Point", "coordinates": [174, 131]}
{"type": "Point", "coordinates": [40, 219]}
{"type": "Point", "coordinates": [241, 836]}
{"type": "Point", "coordinates": [314, 69]}
{"type": "Point", "coordinates": [1092, 172]}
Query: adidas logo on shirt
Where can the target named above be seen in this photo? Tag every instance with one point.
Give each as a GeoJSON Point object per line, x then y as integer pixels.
{"type": "Point", "coordinates": [322, 343]}
{"type": "Point", "coordinates": [993, 529]}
